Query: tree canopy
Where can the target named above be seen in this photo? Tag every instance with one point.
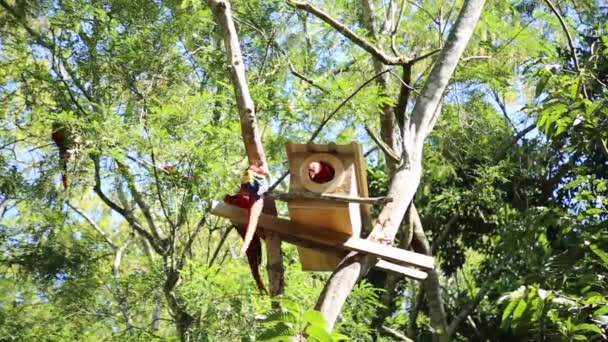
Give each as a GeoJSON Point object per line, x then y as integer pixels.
{"type": "Point", "coordinates": [123, 124]}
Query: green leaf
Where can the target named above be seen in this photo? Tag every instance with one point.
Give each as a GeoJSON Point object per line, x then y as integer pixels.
{"type": "Point", "coordinates": [542, 83]}
{"type": "Point", "coordinates": [594, 211]}
{"type": "Point", "coordinates": [594, 299]}
{"type": "Point", "coordinates": [519, 310]}
{"type": "Point", "coordinates": [574, 183]}
{"type": "Point", "coordinates": [587, 327]}
{"type": "Point", "coordinates": [575, 88]}
{"type": "Point", "coordinates": [601, 311]}
{"type": "Point", "coordinates": [315, 318]}
{"type": "Point", "coordinates": [601, 254]}
{"type": "Point", "coordinates": [316, 333]}
{"type": "Point", "coordinates": [580, 338]}
{"type": "Point", "coordinates": [509, 310]}
{"type": "Point", "coordinates": [339, 337]}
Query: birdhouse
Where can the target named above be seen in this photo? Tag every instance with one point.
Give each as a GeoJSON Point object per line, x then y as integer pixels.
{"type": "Point", "coordinates": [328, 206]}
{"type": "Point", "coordinates": [336, 170]}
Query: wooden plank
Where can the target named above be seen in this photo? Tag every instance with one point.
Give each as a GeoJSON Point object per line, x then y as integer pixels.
{"type": "Point", "coordinates": [316, 197]}
{"type": "Point", "coordinates": [327, 237]}
{"type": "Point", "coordinates": [341, 253]}
{"type": "Point", "coordinates": [390, 253]}
{"type": "Point", "coordinates": [406, 271]}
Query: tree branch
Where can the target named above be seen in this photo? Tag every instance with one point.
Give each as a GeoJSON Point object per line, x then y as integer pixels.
{"type": "Point", "coordinates": [94, 225]}
{"type": "Point", "coordinates": [431, 94]}
{"type": "Point", "coordinates": [394, 333]}
{"type": "Point", "coordinates": [352, 36]}
{"type": "Point", "coordinates": [126, 214]}
{"type": "Point", "coordinates": [141, 203]}
{"type": "Point", "coordinates": [328, 118]}
{"type": "Point", "coordinates": [404, 96]}
{"type": "Point", "coordinates": [251, 137]}
{"type": "Point", "coordinates": [466, 311]}
{"type": "Point", "coordinates": [562, 22]}
{"type": "Point", "coordinates": [22, 20]}
{"type": "Point", "coordinates": [396, 28]}
{"type": "Point", "coordinates": [383, 146]}
{"type": "Point", "coordinates": [304, 78]}
{"type": "Point", "coordinates": [406, 178]}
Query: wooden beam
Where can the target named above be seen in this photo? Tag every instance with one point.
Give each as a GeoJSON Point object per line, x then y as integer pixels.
{"type": "Point", "coordinates": [307, 195]}
{"type": "Point", "coordinates": [406, 271]}
{"type": "Point", "coordinates": [327, 237]}
{"type": "Point", "coordinates": [340, 252]}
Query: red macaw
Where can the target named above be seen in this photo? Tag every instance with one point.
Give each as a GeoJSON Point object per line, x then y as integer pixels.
{"type": "Point", "coordinates": [60, 138]}
{"type": "Point", "coordinates": [254, 183]}
{"type": "Point", "coordinates": [320, 172]}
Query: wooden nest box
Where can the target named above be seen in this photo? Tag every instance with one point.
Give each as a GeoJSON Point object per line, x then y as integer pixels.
{"type": "Point", "coordinates": [349, 180]}
{"type": "Point", "coordinates": [326, 214]}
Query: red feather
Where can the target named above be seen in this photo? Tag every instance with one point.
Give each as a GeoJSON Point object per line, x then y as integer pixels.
{"type": "Point", "coordinates": [60, 139]}
{"type": "Point", "coordinates": [320, 172]}
{"type": "Point", "coordinates": [254, 251]}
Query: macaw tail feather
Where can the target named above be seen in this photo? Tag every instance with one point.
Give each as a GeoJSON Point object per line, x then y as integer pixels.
{"type": "Point", "coordinates": [254, 257]}
{"type": "Point", "coordinates": [64, 180]}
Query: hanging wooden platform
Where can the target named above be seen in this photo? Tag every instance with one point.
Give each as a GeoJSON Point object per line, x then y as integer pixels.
{"type": "Point", "coordinates": [334, 242]}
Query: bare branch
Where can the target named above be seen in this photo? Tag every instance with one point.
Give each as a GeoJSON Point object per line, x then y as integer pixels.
{"type": "Point", "coordinates": [394, 333]}
{"type": "Point", "coordinates": [425, 11]}
{"type": "Point", "coordinates": [603, 147]}
{"type": "Point", "coordinates": [251, 135]}
{"type": "Point", "coordinates": [328, 118]}
{"type": "Point", "coordinates": [562, 22]}
{"type": "Point", "coordinates": [157, 183]}
{"type": "Point", "coordinates": [423, 56]}
{"type": "Point", "coordinates": [344, 102]}
{"type": "Point", "coordinates": [404, 96]}
{"type": "Point", "coordinates": [219, 245]}
{"type": "Point", "coordinates": [94, 225]}
{"type": "Point", "coordinates": [352, 36]}
{"type": "Point", "coordinates": [141, 203]}
{"type": "Point", "coordinates": [431, 94]}
{"type": "Point", "coordinates": [304, 78]}
{"type": "Point", "coordinates": [191, 239]}
{"type": "Point", "coordinates": [471, 306]}
{"type": "Point", "coordinates": [472, 58]}
{"type": "Point", "coordinates": [383, 146]}
{"type": "Point", "coordinates": [128, 215]}
{"type": "Point", "coordinates": [396, 28]}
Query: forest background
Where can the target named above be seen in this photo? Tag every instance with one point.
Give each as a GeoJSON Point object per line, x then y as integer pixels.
{"type": "Point", "coordinates": [512, 195]}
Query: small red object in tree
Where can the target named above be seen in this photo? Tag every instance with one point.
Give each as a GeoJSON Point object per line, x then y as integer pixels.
{"type": "Point", "coordinates": [59, 136]}
{"type": "Point", "coordinates": [320, 172]}
{"type": "Point", "coordinates": [254, 184]}
{"type": "Point", "coordinates": [254, 250]}
{"type": "Point", "coordinates": [169, 168]}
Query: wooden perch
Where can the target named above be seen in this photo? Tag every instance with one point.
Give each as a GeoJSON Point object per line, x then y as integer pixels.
{"type": "Point", "coordinates": [298, 195]}
{"type": "Point", "coordinates": [328, 238]}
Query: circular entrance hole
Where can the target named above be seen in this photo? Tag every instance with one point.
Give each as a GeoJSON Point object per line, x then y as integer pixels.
{"type": "Point", "coordinates": [320, 172]}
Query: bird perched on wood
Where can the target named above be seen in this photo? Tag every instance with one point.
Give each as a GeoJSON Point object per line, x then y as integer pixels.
{"type": "Point", "coordinates": [61, 139]}
{"type": "Point", "coordinates": [254, 184]}
{"type": "Point", "coordinates": [320, 172]}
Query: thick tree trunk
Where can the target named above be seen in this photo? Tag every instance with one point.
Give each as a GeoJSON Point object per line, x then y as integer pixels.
{"type": "Point", "coordinates": [407, 177]}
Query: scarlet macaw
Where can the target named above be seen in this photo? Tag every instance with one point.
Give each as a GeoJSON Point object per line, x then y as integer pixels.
{"type": "Point", "coordinates": [254, 183]}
